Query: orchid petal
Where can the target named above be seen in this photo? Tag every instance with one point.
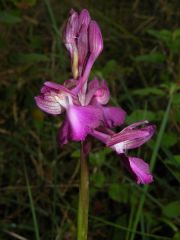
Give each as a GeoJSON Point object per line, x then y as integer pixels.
{"type": "Point", "coordinates": [131, 137]}
{"type": "Point", "coordinates": [139, 169]}
{"type": "Point", "coordinates": [82, 45]}
{"type": "Point", "coordinates": [136, 125]}
{"type": "Point", "coordinates": [70, 32]}
{"type": "Point", "coordinates": [95, 39]}
{"type": "Point", "coordinates": [54, 98]}
{"type": "Point", "coordinates": [113, 116]}
{"type": "Point", "coordinates": [98, 92]}
{"type": "Point", "coordinates": [92, 88]}
{"type": "Point", "coordinates": [102, 94]}
{"type": "Point", "coordinates": [84, 18]}
{"type": "Point", "coordinates": [64, 133]}
{"type": "Point", "coordinates": [103, 137]}
{"type": "Point", "coordinates": [48, 105]}
{"type": "Point", "coordinates": [83, 120]}
{"type": "Point", "coordinates": [59, 87]}
{"type": "Point", "coordinates": [94, 84]}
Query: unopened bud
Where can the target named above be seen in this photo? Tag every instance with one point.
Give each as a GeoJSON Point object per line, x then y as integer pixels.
{"type": "Point", "coordinates": [70, 31]}
{"type": "Point", "coordinates": [82, 45]}
{"type": "Point", "coordinates": [84, 18]}
{"type": "Point", "coordinates": [95, 39]}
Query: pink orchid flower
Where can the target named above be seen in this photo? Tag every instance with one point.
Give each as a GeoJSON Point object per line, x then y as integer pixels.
{"type": "Point", "coordinates": [130, 137]}
{"type": "Point", "coordinates": [85, 104]}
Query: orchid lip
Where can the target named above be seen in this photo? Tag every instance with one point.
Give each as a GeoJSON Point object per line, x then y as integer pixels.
{"type": "Point", "coordinates": [140, 170]}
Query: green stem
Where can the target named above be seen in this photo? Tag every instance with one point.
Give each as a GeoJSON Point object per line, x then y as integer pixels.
{"type": "Point", "coordinates": [82, 228]}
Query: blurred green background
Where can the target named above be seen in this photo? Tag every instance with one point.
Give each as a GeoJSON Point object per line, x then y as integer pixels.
{"type": "Point", "coordinates": [39, 180]}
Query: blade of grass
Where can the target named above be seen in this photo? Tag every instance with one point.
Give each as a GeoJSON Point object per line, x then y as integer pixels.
{"type": "Point", "coordinates": [143, 227]}
{"type": "Point", "coordinates": [152, 164]}
{"type": "Point", "coordinates": [114, 225]}
{"type": "Point", "coordinates": [36, 228]}
{"type": "Point", "coordinates": [126, 229]}
{"type": "Point", "coordinates": [56, 31]}
{"type": "Point", "coordinates": [130, 219]}
{"type": "Point", "coordinates": [52, 17]}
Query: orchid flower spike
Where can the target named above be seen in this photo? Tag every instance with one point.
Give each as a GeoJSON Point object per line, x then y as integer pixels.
{"type": "Point", "coordinates": [85, 103]}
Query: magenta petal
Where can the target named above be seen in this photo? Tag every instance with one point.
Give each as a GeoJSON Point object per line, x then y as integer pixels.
{"type": "Point", "coordinates": [102, 94]}
{"type": "Point", "coordinates": [84, 18]}
{"type": "Point", "coordinates": [54, 98]}
{"type": "Point", "coordinates": [70, 31]}
{"type": "Point", "coordinates": [113, 116]}
{"type": "Point", "coordinates": [103, 137]}
{"type": "Point", "coordinates": [58, 87]}
{"type": "Point", "coordinates": [83, 120]}
{"type": "Point", "coordinates": [93, 85]}
{"type": "Point", "coordinates": [95, 39]}
{"type": "Point", "coordinates": [140, 170]}
{"type": "Point", "coordinates": [82, 45]}
{"type": "Point", "coordinates": [132, 136]}
{"type": "Point", "coordinates": [48, 105]}
{"type": "Point", "coordinates": [64, 133]}
{"type": "Point", "coordinates": [98, 92]}
{"type": "Point", "coordinates": [92, 88]}
{"type": "Point", "coordinates": [136, 125]}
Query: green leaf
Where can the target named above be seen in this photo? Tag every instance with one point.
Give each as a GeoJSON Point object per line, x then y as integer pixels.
{"type": "Point", "coordinates": [176, 236]}
{"type": "Point", "coordinates": [177, 159]}
{"type": "Point", "coordinates": [139, 115]}
{"type": "Point", "coordinates": [151, 57]}
{"type": "Point", "coordinates": [172, 209]}
{"type": "Point", "coordinates": [9, 18]}
{"type": "Point", "coordinates": [148, 91]}
{"type": "Point", "coordinates": [31, 58]}
{"type": "Point", "coordinates": [163, 35]}
{"type": "Point", "coordinates": [98, 179]}
{"type": "Point", "coordinates": [110, 67]}
{"type": "Point", "coordinates": [165, 76]}
{"type": "Point", "coordinates": [119, 192]}
{"type": "Point", "coordinates": [176, 33]}
{"type": "Point", "coordinates": [176, 99]}
{"type": "Point", "coordinates": [169, 139]}
{"type": "Point", "coordinates": [114, 192]}
{"type": "Point", "coordinates": [174, 161]}
{"type": "Point", "coordinates": [176, 114]}
{"type": "Point", "coordinates": [98, 158]}
{"type": "Point", "coordinates": [76, 154]}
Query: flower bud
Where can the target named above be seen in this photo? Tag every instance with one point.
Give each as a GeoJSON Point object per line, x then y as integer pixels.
{"type": "Point", "coordinates": [82, 45]}
{"type": "Point", "coordinates": [95, 39]}
{"type": "Point", "coordinates": [70, 32]}
{"type": "Point", "coordinates": [84, 18]}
